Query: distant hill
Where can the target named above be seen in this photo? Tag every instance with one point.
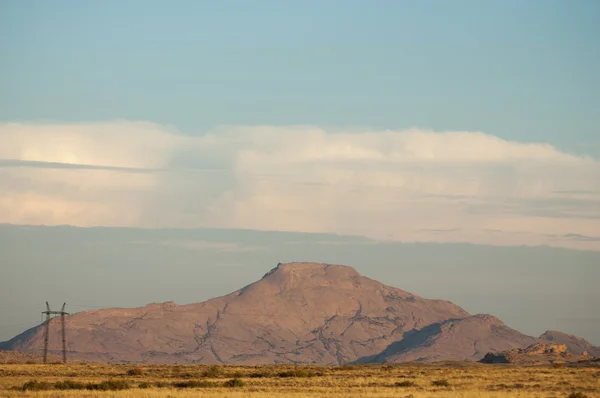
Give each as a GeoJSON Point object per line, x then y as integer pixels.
{"type": "Point", "coordinates": [537, 354]}
{"type": "Point", "coordinates": [575, 344]}
{"type": "Point", "coordinates": [307, 313]}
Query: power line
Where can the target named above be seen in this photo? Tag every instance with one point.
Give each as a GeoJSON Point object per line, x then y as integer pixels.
{"type": "Point", "coordinates": [62, 314]}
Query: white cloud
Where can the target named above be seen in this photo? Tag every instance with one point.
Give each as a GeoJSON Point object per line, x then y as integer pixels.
{"type": "Point", "coordinates": [119, 144]}
{"type": "Point", "coordinates": [401, 185]}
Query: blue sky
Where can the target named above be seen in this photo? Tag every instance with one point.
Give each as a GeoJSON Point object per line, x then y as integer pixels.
{"type": "Point", "coordinates": [521, 70]}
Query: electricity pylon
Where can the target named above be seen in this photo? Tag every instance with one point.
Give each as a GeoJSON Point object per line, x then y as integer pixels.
{"type": "Point", "coordinates": [62, 314]}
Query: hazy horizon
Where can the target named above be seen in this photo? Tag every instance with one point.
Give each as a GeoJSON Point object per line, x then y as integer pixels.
{"type": "Point", "coordinates": [531, 289]}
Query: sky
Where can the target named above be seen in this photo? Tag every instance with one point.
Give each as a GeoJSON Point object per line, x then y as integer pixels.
{"type": "Point", "coordinates": [435, 122]}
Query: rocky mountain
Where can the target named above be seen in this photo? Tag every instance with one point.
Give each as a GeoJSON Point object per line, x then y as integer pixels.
{"type": "Point", "coordinates": [297, 313]}
{"type": "Point", "coordinates": [574, 344]}
{"type": "Point", "coordinates": [535, 354]}
{"type": "Point", "coordinates": [466, 339]}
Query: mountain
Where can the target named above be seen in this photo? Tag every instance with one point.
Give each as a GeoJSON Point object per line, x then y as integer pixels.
{"type": "Point", "coordinates": [575, 344]}
{"type": "Point", "coordinates": [297, 313]}
{"type": "Point", "coordinates": [466, 339]}
{"type": "Point", "coordinates": [306, 313]}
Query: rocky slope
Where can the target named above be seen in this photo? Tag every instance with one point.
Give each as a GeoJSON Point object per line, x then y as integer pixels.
{"type": "Point", "coordinates": [466, 339]}
{"type": "Point", "coordinates": [574, 344]}
{"type": "Point", "coordinates": [299, 312]}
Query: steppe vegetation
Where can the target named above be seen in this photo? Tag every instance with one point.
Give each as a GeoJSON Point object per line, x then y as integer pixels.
{"type": "Point", "coordinates": [464, 380]}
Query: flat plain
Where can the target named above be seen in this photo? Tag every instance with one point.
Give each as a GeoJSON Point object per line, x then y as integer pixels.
{"type": "Point", "coordinates": [373, 381]}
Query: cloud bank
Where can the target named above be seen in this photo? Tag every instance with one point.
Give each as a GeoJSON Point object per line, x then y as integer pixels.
{"type": "Point", "coordinates": [412, 185]}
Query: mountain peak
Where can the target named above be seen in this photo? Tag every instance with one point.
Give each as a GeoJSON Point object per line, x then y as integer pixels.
{"type": "Point", "coordinates": [488, 319]}
{"type": "Point", "coordinates": [555, 334]}
{"type": "Point", "coordinates": [312, 268]}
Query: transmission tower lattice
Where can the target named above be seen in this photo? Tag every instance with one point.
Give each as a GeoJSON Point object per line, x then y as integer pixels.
{"type": "Point", "coordinates": [49, 314]}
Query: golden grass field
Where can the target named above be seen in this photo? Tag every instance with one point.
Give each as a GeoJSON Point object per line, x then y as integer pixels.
{"type": "Point", "coordinates": [402, 380]}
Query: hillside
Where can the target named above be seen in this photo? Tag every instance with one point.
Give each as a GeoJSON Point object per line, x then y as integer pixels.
{"type": "Point", "coordinates": [307, 313]}
{"type": "Point", "coordinates": [575, 345]}
{"type": "Point", "coordinates": [297, 313]}
{"type": "Point", "coordinates": [466, 339]}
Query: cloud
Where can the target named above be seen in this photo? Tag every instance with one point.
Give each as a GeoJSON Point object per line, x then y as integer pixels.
{"type": "Point", "coordinates": [201, 245]}
{"type": "Point", "coordinates": [440, 231]}
{"type": "Point", "coordinates": [582, 237]}
{"type": "Point", "coordinates": [407, 185]}
{"type": "Point", "coordinates": [118, 144]}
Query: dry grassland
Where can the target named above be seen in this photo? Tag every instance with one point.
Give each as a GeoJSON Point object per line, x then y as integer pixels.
{"type": "Point", "coordinates": [410, 380]}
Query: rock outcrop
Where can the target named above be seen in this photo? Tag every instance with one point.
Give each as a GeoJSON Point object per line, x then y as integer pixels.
{"type": "Point", "coordinates": [574, 344]}
{"type": "Point", "coordinates": [535, 354]}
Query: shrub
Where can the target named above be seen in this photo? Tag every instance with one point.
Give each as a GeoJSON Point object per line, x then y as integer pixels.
{"type": "Point", "coordinates": [257, 375]}
{"type": "Point", "coordinates": [109, 385]}
{"type": "Point", "coordinates": [406, 383]}
{"type": "Point", "coordinates": [162, 384]}
{"type": "Point", "coordinates": [193, 384]}
{"type": "Point", "coordinates": [213, 372]}
{"type": "Point", "coordinates": [69, 385]}
{"type": "Point", "coordinates": [297, 373]}
{"type": "Point", "coordinates": [345, 368]}
{"type": "Point", "coordinates": [34, 385]}
{"type": "Point", "coordinates": [577, 395]}
{"type": "Point", "coordinates": [234, 383]}
{"type": "Point", "coordinates": [504, 386]}
{"type": "Point", "coordinates": [144, 385]}
{"type": "Point", "coordinates": [440, 383]}
{"type": "Point", "coordinates": [135, 372]}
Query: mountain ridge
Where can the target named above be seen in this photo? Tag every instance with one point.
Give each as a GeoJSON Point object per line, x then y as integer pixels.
{"type": "Point", "coordinates": [309, 313]}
